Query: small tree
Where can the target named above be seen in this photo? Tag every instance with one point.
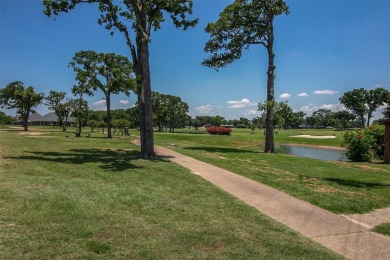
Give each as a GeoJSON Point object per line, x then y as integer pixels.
{"type": "Point", "coordinates": [79, 109]}
{"type": "Point", "coordinates": [285, 113]}
{"type": "Point", "coordinates": [109, 72]}
{"type": "Point", "coordinates": [93, 124]}
{"type": "Point", "coordinates": [15, 95]}
{"type": "Point", "coordinates": [344, 117]}
{"type": "Point", "coordinates": [57, 102]}
{"type": "Point", "coordinates": [4, 119]}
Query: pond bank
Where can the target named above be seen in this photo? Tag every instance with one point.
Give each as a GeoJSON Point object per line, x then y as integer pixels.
{"type": "Point", "coordinates": [324, 154]}
{"type": "Point", "coordinates": [314, 146]}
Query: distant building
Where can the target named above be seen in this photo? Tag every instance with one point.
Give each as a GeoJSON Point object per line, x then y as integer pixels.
{"type": "Point", "coordinates": [49, 119]}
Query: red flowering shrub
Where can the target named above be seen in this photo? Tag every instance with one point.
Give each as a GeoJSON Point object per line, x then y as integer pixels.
{"type": "Point", "coordinates": [366, 144]}
{"type": "Point", "coordinates": [214, 130]}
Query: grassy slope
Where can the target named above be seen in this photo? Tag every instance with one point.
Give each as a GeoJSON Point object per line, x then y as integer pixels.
{"type": "Point", "coordinates": [335, 186]}
{"type": "Point", "coordinates": [281, 136]}
{"type": "Point", "coordinates": [79, 198]}
{"type": "Point", "coordinates": [383, 229]}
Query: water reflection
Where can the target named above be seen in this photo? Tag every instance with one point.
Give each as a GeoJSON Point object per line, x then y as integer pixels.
{"type": "Point", "coordinates": [315, 153]}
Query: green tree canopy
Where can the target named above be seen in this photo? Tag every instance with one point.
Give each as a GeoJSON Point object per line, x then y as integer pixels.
{"type": "Point", "coordinates": [324, 117]}
{"type": "Point", "coordinates": [108, 72]}
{"type": "Point", "coordinates": [361, 101]}
{"type": "Point", "coordinates": [169, 109]}
{"type": "Point", "coordinates": [344, 117]}
{"type": "Point", "coordinates": [374, 99]}
{"type": "Point", "coordinates": [240, 25]}
{"type": "Point", "coordinates": [24, 99]}
{"type": "Point", "coordinates": [4, 119]}
{"type": "Point", "coordinates": [285, 113]}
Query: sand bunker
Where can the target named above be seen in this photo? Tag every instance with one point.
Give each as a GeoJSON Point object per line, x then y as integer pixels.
{"type": "Point", "coordinates": [30, 133]}
{"type": "Point", "coordinates": [316, 136]}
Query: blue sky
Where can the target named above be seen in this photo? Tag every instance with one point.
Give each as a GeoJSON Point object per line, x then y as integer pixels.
{"type": "Point", "coordinates": [323, 49]}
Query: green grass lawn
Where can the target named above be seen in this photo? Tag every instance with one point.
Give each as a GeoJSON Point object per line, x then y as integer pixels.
{"type": "Point", "coordinates": [341, 187]}
{"type": "Point", "coordinates": [65, 197]}
{"type": "Point", "coordinates": [241, 137]}
{"type": "Point", "coordinates": [383, 229]}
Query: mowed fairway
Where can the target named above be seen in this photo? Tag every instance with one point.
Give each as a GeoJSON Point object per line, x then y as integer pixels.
{"type": "Point", "coordinates": [340, 187]}
{"type": "Point", "coordinates": [64, 197]}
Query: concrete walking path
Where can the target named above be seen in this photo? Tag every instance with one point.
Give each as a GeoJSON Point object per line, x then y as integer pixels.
{"type": "Point", "coordinates": [340, 234]}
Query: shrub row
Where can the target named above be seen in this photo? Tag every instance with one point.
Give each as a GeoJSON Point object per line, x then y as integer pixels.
{"type": "Point", "coordinates": [365, 145]}
{"type": "Point", "coordinates": [218, 130]}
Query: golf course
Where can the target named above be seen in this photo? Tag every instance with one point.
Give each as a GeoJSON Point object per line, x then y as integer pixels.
{"type": "Point", "coordinates": [67, 197]}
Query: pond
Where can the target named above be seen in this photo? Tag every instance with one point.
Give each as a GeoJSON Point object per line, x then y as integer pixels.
{"type": "Point", "coordinates": [310, 152]}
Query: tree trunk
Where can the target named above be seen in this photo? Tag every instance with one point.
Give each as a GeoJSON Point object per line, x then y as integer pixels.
{"type": "Point", "coordinates": [269, 128]}
{"type": "Point", "coordinates": [108, 103]}
{"type": "Point", "coordinates": [369, 115]}
{"type": "Point", "coordinates": [25, 120]}
{"type": "Point", "coordinates": [78, 134]}
{"type": "Point", "coordinates": [362, 118]}
{"type": "Point", "coordinates": [144, 99]}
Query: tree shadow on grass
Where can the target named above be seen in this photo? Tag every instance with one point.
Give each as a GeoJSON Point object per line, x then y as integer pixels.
{"type": "Point", "coordinates": [219, 150]}
{"type": "Point", "coordinates": [357, 184]}
{"type": "Point", "coordinates": [108, 159]}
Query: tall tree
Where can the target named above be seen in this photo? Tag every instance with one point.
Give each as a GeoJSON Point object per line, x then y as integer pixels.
{"type": "Point", "coordinates": [141, 17]}
{"type": "Point", "coordinates": [15, 95]}
{"type": "Point", "coordinates": [57, 102]}
{"type": "Point", "coordinates": [108, 72]}
{"type": "Point", "coordinates": [240, 25]}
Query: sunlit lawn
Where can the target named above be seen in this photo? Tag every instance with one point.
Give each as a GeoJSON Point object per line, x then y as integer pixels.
{"type": "Point", "coordinates": [81, 198]}
{"type": "Point", "coordinates": [241, 137]}
{"type": "Point", "coordinates": [341, 187]}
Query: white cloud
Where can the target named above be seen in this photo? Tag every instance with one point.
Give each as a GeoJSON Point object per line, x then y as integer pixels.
{"type": "Point", "coordinates": [303, 94]}
{"type": "Point", "coordinates": [204, 110]}
{"type": "Point", "coordinates": [325, 92]}
{"type": "Point", "coordinates": [124, 102]}
{"type": "Point", "coordinates": [237, 106]}
{"type": "Point", "coordinates": [309, 109]}
{"type": "Point", "coordinates": [285, 96]}
{"type": "Point", "coordinates": [99, 103]}
{"type": "Point", "coordinates": [240, 103]}
{"type": "Point", "coordinates": [253, 113]}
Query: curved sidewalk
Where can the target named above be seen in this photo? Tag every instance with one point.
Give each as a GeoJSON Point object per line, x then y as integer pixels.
{"type": "Point", "coordinates": [342, 235]}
